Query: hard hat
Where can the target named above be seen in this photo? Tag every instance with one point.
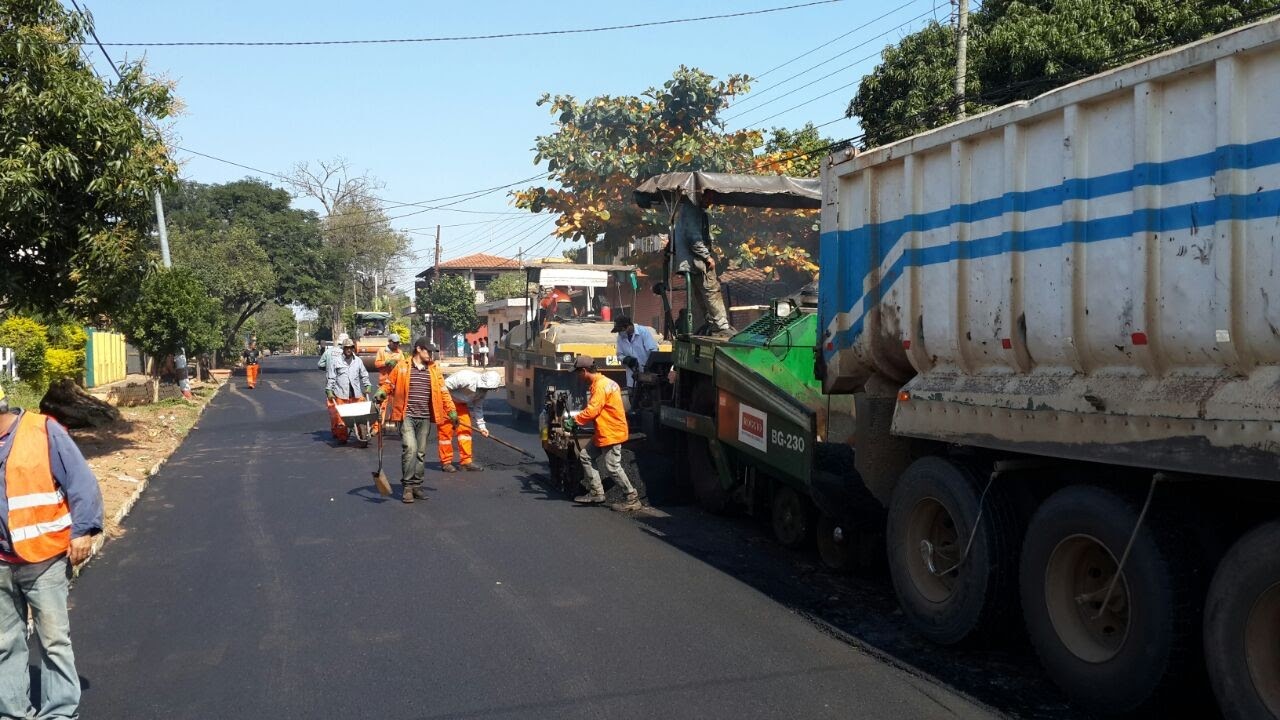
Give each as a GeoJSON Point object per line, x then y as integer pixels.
{"type": "Point", "coordinates": [489, 380]}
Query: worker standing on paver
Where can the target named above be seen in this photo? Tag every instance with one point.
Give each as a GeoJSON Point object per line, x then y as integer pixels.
{"type": "Point", "coordinates": [386, 360]}
{"type": "Point", "coordinates": [347, 382]}
{"type": "Point", "coordinates": [604, 406]}
{"type": "Point", "coordinates": [418, 398]}
{"type": "Point", "coordinates": [692, 249]}
{"type": "Point", "coordinates": [52, 509]}
{"type": "Point", "coordinates": [251, 355]}
{"type": "Point", "coordinates": [468, 389]}
{"type": "Point", "coordinates": [635, 344]}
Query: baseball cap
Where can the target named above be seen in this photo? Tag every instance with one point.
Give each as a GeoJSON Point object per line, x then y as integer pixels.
{"type": "Point", "coordinates": [620, 323]}
{"type": "Point", "coordinates": [584, 362]}
{"type": "Point", "coordinates": [393, 337]}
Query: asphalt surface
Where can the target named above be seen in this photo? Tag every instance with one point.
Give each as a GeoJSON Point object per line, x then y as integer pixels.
{"type": "Point", "coordinates": [261, 576]}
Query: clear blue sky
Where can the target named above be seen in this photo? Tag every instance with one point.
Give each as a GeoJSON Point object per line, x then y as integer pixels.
{"type": "Point", "coordinates": [438, 119]}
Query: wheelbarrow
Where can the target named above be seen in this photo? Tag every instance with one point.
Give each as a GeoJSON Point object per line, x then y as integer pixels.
{"type": "Point", "coordinates": [359, 418]}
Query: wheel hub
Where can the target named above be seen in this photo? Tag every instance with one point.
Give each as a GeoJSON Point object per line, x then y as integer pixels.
{"type": "Point", "coordinates": [1262, 653]}
{"type": "Point", "coordinates": [1088, 605]}
{"type": "Point", "coordinates": [932, 546]}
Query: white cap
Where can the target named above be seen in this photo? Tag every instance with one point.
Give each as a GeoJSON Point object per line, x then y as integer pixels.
{"type": "Point", "coordinates": [489, 380]}
{"type": "Point", "coordinates": [343, 336]}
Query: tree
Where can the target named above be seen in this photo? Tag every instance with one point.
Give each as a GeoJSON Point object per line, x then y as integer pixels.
{"type": "Point", "coordinates": [507, 285]}
{"type": "Point", "coordinates": [78, 163]}
{"type": "Point", "coordinates": [235, 271]}
{"type": "Point", "coordinates": [1021, 48]}
{"type": "Point", "coordinates": [275, 327]}
{"type": "Point", "coordinates": [173, 310]}
{"type": "Point", "coordinates": [450, 300]}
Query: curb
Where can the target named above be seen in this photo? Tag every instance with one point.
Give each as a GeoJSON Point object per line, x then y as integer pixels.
{"type": "Point", "coordinates": [118, 518]}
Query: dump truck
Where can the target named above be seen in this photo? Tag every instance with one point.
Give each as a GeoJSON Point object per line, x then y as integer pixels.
{"type": "Point", "coordinates": [1054, 322]}
{"type": "Point", "coordinates": [539, 352]}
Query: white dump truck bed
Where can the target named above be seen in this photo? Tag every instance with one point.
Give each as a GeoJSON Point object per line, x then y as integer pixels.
{"type": "Point", "coordinates": [1091, 274]}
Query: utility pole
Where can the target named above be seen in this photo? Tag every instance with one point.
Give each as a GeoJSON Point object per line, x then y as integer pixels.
{"type": "Point", "coordinates": [962, 53]}
{"type": "Point", "coordinates": [591, 260]}
{"type": "Point", "coordinates": [435, 275]}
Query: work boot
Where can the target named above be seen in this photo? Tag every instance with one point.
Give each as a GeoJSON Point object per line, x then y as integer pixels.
{"type": "Point", "coordinates": [590, 499]}
{"type": "Point", "coordinates": [472, 467]}
{"type": "Point", "coordinates": [449, 467]}
{"type": "Point", "coordinates": [407, 496]}
{"type": "Point", "coordinates": [630, 502]}
{"type": "Point", "coordinates": [419, 493]}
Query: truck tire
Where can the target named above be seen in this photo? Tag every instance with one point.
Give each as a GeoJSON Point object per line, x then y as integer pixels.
{"type": "Point", "coordinates": [936, 505]}
{"type": "Point", "coordinates": [792, 515]}
{"type": "Point", "coordinates": [1141, 647]}
{"type": "Point", "coordinates": [1242, 627]}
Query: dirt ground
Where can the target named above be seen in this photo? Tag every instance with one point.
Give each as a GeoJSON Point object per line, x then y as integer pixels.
{"type": "Point", "coordinates": [123, 455]}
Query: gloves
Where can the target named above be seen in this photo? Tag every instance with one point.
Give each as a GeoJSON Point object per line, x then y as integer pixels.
{"type": "Point", "coordinates": [390, 363]}
{"type": "Point", "coordinates": [380, 395]}
{"type": "Point", "coordinates": [330, 394]}
{"type": "Point", "coordinates": [570, 424]}
{"type": "Point", "coordinates": [453, 417]}
{"type": "Point", "coordinates": [631, 362]}
{"type": "Point", "coordinates": [368, 390]}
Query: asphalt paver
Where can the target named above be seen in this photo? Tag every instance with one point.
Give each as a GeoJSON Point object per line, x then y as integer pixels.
{"type": "Point", "coordinates": [261, 575]}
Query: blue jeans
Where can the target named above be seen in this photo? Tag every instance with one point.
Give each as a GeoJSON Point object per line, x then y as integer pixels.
{"type": "Point", "coordinates": [43, 588]}
{"type": "Point", "coordinates": [414, 432]}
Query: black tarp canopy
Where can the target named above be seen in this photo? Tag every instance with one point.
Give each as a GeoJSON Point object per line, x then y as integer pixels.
{"type": "Point", "coordinates": [707, 188]}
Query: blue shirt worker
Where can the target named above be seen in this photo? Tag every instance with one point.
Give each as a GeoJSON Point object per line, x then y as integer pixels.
{"type": "Point", "coordinates": [636, 342]}
{"type": "Point", "coordinates": [50, 511]}
{"type": "Point", "coordinates": [347, 382]}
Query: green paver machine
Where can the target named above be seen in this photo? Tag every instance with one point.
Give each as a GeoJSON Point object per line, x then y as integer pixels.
{"type": "Point", "coordinates": [756, 429]}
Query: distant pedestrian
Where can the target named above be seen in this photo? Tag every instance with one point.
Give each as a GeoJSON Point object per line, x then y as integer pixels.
{"type": "Point", "coordinates": [604, 406]}
{"type": "Point", "coordinates": [251, 356]}
{"type": "Point", "coordinates": [473, 357]}
{"type": "Point", "coordinates": [51, 513]}
{"type": "Point", "coordinates": [418, 398]}
{"type": "Point", "coordinates": [331, 352]}
{"type": "Point", "coordinates": [484, 352]}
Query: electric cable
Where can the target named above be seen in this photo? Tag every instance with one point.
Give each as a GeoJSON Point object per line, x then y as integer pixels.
{"type": "Point", "coordinates": [835, 39]}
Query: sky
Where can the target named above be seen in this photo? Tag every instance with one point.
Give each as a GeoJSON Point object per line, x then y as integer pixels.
{"type": "Point", "coordinates": [438, 119]}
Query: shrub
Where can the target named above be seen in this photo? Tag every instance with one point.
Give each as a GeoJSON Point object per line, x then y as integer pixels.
{"type": "Point", "coordinates": [27, 338]}
{"type": "Point", "coordinates": [68, 336]}
{"type": "Point", "coordinates": [402, 330]}
{"type": "Point", "coordinates": [61, 363]}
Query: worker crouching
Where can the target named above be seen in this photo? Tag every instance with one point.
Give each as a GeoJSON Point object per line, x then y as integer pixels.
{"type": "Point", "coordinates": [418, 399]}
{"type": "Point", "coordinates": [604, 406]}
{"type": "Point", "coordinates": [468, 389]}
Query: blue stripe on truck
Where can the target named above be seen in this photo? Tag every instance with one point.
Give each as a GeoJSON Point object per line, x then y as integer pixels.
{"type": "Point", "coordinates": [1178, 217]}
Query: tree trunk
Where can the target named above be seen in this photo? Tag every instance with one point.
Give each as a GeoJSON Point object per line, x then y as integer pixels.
{"type": "Point", "coordinates": [70, 405]}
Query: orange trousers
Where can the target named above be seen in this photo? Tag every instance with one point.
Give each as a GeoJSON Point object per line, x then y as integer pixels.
{"type": "Point", "coordinates": [338, 427]}
{"type": "Point", "coordinates": [252, 372]}
{"type": "Point", "coordinates": [448, 432]}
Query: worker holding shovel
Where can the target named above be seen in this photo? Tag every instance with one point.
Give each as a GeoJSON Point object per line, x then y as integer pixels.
{"type": "Point", "coordinates": [468, 389]}
{"type": "Point", "coordinates": [418, 399]}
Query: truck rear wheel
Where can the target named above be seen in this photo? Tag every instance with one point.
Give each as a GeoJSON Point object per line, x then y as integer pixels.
{"type": "Point", "coordinates": [1242, 627]}
{"type": "Point", "coordinates": [1113, 643]}
{"type": "Point", "coordinates": [792, 517]}
{"type": "Point", "coordinates": [950, 596]}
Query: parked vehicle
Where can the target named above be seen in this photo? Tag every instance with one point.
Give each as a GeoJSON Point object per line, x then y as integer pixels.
{"type": "Point", "coordinates": [1055, 324]}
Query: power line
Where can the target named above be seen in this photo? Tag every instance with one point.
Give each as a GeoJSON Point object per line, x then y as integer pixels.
{"type": "Point", "coordinates": [836, 39]}
{"type": "Point", "coordinates": [459, 38]}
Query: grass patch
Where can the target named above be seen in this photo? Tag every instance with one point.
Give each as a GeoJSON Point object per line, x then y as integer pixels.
{"type": "Point", "coordinates": [21, 394]}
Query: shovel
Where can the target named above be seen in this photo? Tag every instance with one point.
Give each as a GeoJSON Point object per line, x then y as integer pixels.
{"type": "Point", "coordinates": [380, 478]}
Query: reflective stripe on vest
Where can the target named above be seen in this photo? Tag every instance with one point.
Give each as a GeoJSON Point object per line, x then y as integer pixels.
{"type": "Point", "coordinates": [39, 518]}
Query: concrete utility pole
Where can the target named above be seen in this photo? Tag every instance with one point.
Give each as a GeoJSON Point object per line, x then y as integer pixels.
{"type": "Point", "coordinates": [962, 53]}
{"type": "Point", "coordinates": [435, 275]}
{"type": "Point", "coordinates": [591, 260]}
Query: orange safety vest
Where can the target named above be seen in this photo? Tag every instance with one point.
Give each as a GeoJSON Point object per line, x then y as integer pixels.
{"type": "Point", "coordinates": [380, 361]}
{"type": "Point", "coordinates": [396, 385]}
{"type": "Point", "coordinates": [604, 405]}
{"type": "Point", "coordinates": [39, 517]}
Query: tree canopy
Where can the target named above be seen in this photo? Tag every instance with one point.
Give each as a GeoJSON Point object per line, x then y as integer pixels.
{"type": "Point", "coordinates": [450, 300]}
{"type": "Point", "coordinates": [1021, 48]}
{"type": "Point", "coordinates": [172, 310]}
{"type": "Point", "coordinates": [79, 161]}
{"type": "Point", "coordinates": [507, 285]}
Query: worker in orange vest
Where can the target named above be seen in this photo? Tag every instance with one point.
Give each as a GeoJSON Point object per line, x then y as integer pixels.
{"type": "Point", "coordinates": [51, 509]}
{"type": "Point", "coordinates": [386, 360]}
{"type": "Point", "coordinates": [419, 399]}
{"type": "Point", "coordinates": [604, 406]}
{"type": "Point", "coordinates": [251, 357]}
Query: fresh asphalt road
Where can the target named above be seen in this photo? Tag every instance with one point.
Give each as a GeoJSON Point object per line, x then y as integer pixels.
{"type": "Point", "coordinates": [261, 576]}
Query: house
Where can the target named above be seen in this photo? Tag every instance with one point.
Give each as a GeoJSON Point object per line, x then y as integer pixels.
{"type": "Point", "coordinates": [479, 269]}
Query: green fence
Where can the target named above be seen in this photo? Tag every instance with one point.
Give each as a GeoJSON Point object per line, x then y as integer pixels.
{"type": "Point", "coordinates": [104, 360]}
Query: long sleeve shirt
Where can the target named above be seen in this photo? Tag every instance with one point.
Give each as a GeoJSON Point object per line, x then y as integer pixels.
{"type": "Point", "coordinates": [72, 475]}
{"type": "Point", "coordinates": [640, 343]}
{"type": "Point", "coordinates": [347, 378]}
{"type": "Point", "coordinates": [464, 386]}
{"type": "Point", "coordinates": [604, 405]}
